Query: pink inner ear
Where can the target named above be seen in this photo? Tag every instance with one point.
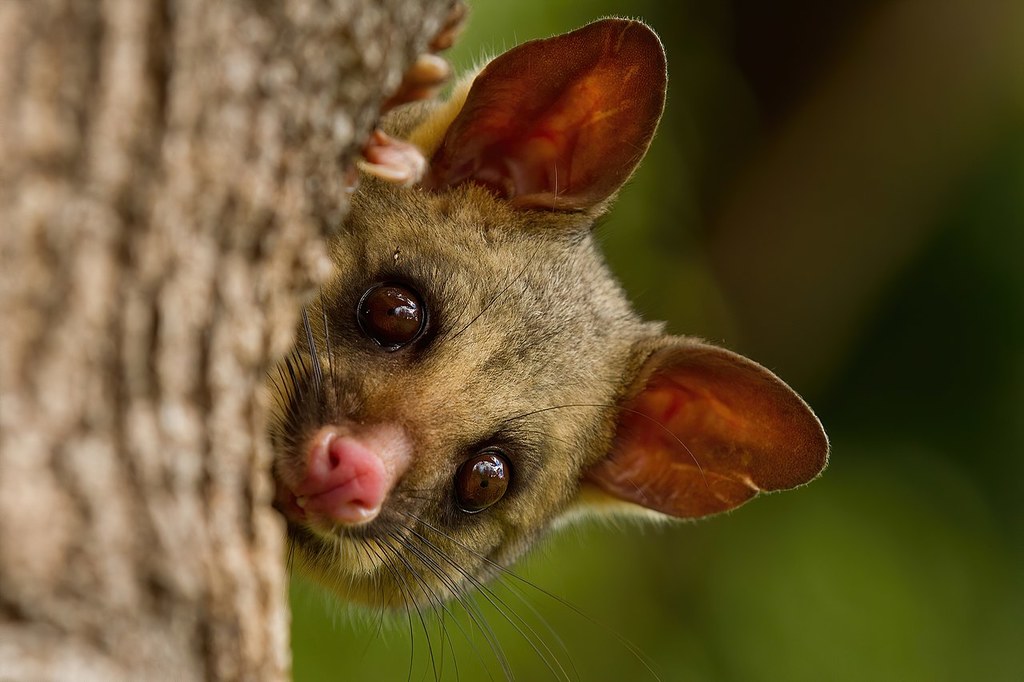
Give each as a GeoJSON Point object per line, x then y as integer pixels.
{"type": "Point", "coordinates": [707, 433]}
{"type": "Point", "coordinates": [558, 123]}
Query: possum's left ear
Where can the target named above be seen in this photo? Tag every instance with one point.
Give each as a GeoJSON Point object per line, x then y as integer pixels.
{"type": "Point", "coordinates": [704, 431]}
{"type": "Point", "coordinates": [559, 123]}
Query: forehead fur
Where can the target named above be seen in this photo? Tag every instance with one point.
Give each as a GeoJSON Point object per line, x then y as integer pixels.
{"type": "Point", "coordinates": [517, 300]}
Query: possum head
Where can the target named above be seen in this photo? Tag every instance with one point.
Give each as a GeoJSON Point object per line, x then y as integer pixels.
{"type": "Point", "coordinates": [473, 373]}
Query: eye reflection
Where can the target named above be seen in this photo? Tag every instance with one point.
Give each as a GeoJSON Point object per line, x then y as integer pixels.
{"type": "Point", "coordinates": [393, 315]}
{"type": "Point", "coordinates": [482, 480]}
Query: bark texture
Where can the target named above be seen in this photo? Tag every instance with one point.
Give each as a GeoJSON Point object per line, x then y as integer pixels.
{"type": "Point", "coordinates": [168, 171]}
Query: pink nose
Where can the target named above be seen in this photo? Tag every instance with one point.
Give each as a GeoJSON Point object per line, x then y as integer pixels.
{"type": "Point", "coordinates": [346, 482]}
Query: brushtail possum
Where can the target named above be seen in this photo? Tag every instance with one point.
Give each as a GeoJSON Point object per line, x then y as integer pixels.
{"type": "Point", "coordinates": [474, 375]}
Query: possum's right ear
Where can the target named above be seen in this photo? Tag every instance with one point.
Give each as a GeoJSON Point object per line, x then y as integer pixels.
{"type": "Point", "coordinates": [559, 123]}
{"type": "Point", "coordinates": [704, 431]}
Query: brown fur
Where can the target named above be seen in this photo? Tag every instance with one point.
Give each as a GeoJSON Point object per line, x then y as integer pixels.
{"type": "Point", "coordinates": [531, 344]}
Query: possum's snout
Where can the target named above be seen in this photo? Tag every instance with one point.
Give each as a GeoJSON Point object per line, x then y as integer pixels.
{"type": "Point", "coordinates": [346, 476]}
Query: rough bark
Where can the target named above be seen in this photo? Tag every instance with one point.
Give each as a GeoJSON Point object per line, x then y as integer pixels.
{"type": "Point", "coordinates": [168, 171]}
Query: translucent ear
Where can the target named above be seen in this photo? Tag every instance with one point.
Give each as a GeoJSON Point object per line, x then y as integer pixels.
{"type": "Point", "coordinates": [559, 123]}
{"type": "Point", "coordinates": [704, 431]}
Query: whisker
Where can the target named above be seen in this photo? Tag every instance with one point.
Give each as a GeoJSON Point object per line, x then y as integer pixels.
{"type": "Point", "coordinates": [291, 558]}
{"type": "Point", "coordinates": [328, 348]}
{"type": "Point", "coordinates": [381, 607]}
{"type": "Point", "coordinates": [289, 387]}
{"type": "Point", "coordinates": [279, 389]}
{"type": "Point", "coordinates": [427, 592]}
{"type": "Point", "coordinates": [294, 374]}
{"type": "Point", "coordinates": [380, 593]}
{"type": "Point", "coordinates": [471, 609]}
{"type": "Point", "coordinates": [503, 580]}
{"type": "Point", "coordinates": [504, 571]}
{"type": "Point", "coordinates": [477, 618]}
{"type": "Point", "coordinates": [502, 607]}
{"type": "Point", "coordinates": [491, 302]}
{"type": "Point", "coordinates": [408, 601]}
{"type": "Point", "coordinates": [318, 375]}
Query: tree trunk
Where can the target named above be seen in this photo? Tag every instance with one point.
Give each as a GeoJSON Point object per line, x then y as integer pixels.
{"type": "Point", "coordinates": [168, 172]}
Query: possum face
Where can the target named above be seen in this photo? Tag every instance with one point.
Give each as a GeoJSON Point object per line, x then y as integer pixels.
{"type": "Point", "coordinates": [473, 366]}
{"type": "Point", "coordinates": [478, 356]}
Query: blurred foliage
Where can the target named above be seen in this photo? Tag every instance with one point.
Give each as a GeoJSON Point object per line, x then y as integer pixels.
{"type": "Point", "coordinates": [905, 561]}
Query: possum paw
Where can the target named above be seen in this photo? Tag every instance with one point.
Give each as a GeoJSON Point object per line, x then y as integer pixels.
{"type": "Point", "coordinates": [392, 160]}
{"type": "Point", "coordinates": [423, 80]}
{"type": "Point", "coordinates": [398, 161]}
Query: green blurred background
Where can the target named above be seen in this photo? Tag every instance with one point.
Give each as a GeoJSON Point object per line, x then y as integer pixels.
{"type": "Point", "coordinates": [837, 190]}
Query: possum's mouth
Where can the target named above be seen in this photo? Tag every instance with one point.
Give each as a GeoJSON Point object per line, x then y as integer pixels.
{"type": "Point", "coordinates": [286, 502]}
{"type": "Point", "coordinates": [315, 531]}
{"type": "Point", "coordinates": [299, 512]}
{"type": "Point", "coordinates": [303, 508]}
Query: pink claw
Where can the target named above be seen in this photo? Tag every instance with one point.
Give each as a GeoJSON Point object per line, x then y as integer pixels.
{"type": "Point", "coordinates": [392, 160]}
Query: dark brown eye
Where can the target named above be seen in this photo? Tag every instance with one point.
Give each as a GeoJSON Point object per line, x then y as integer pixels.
{"type": "Point", "coordinates": [392, 315]}
{"type": "Point", "coordinates": [481, 480]}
